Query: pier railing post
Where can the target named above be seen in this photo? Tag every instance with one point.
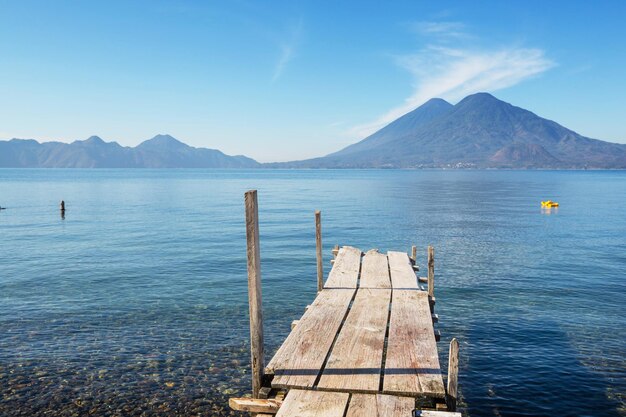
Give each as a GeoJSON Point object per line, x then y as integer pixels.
{"type": "Point", "coordinates": [318, 246]}
{"type": "Point", "coordinates": [431, 271]}
{"type": "Point", "coordinates": [453, 375]}
{"type": "Point", "coordinates": [254, 291]}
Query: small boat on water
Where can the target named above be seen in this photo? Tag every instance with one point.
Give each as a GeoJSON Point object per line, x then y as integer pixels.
{"type": "Point", "coordinates": [549, 203]}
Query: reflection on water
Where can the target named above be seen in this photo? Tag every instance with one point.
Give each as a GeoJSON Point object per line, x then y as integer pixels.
{"type": "Point", "coordinates": [549, 210]}
{"type": "Point", "coordinates": [136, 304]}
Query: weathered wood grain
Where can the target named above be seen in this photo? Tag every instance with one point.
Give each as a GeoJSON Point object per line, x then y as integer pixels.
{"type": "Point", "coordinates": [380, 405]}
{"type": "Point", "coordinates": [318, 250]}
{"type": "Point", "coordinates": [255, 301]}
{"type": "Point", "coordinates": [254, 405]}
{"type": "Point", "coordinates": [412, 362]}
{"type": "Point", "coordinates": [306, 403]}
{"type": "Point", "coordinates": [431, 271]}
{"type": "Point", "coordinates": [299, 360]}
{"type": "Point", "coordinates": [345, 271]}
{"type": "Point", "coordinates": [375, 271]}
{"type": "Point", "coordinates": [401, 269]}
{"type": "Point", "coordinates": [355, 362]}
{"type": "Point", "coordinates": [430, 413]}
{"type": "Point", "coordinates": [453, 375]}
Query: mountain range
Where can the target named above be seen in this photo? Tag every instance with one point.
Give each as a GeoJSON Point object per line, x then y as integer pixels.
{"type": "Point", "coordinates": [162, 151]}
{"type": "Point", "coordinates": [478, 132]}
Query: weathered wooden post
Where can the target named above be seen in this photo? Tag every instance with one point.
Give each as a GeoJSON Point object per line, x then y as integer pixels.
{"type": "Point", "coordinates": [254, 291]}
{"type": "Point", "coordinates": [335, 251]}
{"type": "Point", "coordinates": [318, 245]}
{"type": "Point", "coordinates": [431, 271]}
{"type": "Point", "coordinates": [453, 375]}
{"type": "Point", "coordinates": [414, 253]}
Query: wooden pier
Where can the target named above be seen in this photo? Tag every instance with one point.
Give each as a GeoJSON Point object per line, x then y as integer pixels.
{"type": "Point", "coordinates": [366, 346]}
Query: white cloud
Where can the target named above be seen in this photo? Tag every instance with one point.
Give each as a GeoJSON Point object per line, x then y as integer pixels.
{"type": "Point", "coordinates": [287, 49]}
{"type": "Point", "coordinates": [453, 73]}
{"type": "Point", "coordinates": [441, 29]}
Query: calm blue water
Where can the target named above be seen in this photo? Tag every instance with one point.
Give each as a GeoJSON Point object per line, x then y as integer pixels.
{"type": "Point", "coordinates": [136, 302]}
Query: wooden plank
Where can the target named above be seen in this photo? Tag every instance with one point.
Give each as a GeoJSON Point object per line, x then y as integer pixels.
{"type": "Point", "coordinates": [430, 413]}
{"type": "Point", "coordinates": [375, 271]}
{"type": "Point", "coordinates": [401, 269]}
{"type": "Point", "coordinates": [254, 290]}
{"type": "Point", "coordinates": [318, 250]}
{"type": "Point", "coordinates": [299, 360]}
{"type": "Point", "coordinates": [254, 405]}
{"type": "Point", "coordinates": [412, 362]}
{"type": "Point", "coordinates": [356, 359]}
{"type": "Point", "coordinates": [306, 403]}
{"type": "Point", "coordinates": [345, 271]}
{"type": "Point", "coordinates": [380, 405]}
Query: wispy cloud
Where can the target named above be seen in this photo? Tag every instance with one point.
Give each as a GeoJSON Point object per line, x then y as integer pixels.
{"type": "Point", "coordinates": [452, 73]}
{"type": "Point", "coordinates": [287, 49]}
{"type": "Point", "coordinates": [444, 30]}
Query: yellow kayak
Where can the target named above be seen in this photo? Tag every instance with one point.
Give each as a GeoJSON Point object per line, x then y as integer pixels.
{"type": "Point", "coordinates": [549, 203]}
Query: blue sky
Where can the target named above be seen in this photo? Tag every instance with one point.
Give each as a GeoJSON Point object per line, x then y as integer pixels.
{"type": "Point", "coordinates": [290, 80]}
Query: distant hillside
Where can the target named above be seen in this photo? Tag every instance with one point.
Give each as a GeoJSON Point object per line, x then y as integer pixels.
{"type": "Point", "coordinates": [162, 151]}
{"type": "Point", "coordinates": [480, 131]}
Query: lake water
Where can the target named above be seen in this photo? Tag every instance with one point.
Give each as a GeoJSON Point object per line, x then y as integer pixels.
{"type": "Point", "coordinates": [136, 302]}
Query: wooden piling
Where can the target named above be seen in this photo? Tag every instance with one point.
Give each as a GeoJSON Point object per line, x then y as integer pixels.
{"type": "Point", "coordinates": [431, 271]}
{"type": "Point", "coordinates": [318, 246]}
{"type": "Point", "coordinates": [335, 251]}
{"type": "Point", "coordinates": [254, 291]}
{"type": "Point", "coordinates": [453, 375]}
{"type": "Point", "coordinates": [414, 253]}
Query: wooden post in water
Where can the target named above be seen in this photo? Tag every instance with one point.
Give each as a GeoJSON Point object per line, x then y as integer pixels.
{"type": "Point", "coordinates": [431, 271]}
{"type": "Point", "coordinates": [318, 246]}
{"type": "Point", "coordinates": [254, 291]}
{"type": "Point", "coordinates": [453, 375]}
{"type": "Point", "coordinates": [414, 253]}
